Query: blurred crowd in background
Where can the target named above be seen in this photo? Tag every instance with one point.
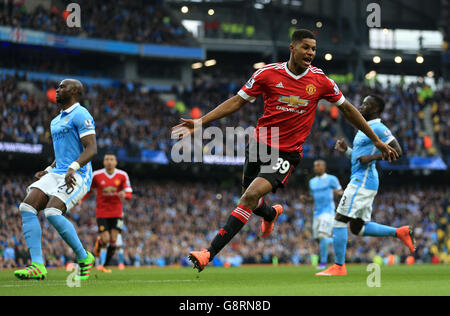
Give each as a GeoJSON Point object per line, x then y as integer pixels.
{"type": "Point", "coordinates": [127, 20]}
{"type": "Point", "coordinates": [166, 220]}
{"type": "Point", "coordinates": [130, 116]}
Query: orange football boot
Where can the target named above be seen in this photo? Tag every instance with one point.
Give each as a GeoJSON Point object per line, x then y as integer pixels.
{"type": "Point", "coordinates": [121, 266]}
{"type": "Point", "coordinates": [103, 269]}
{"type": "Point", "coordinates": [406, 235]}
{"type": "Point", "coordinates": [200, 259]}
{"type": "Point", "coordinates": [267, 227]}
{"type": "Point", "coordinates": [333, 270]}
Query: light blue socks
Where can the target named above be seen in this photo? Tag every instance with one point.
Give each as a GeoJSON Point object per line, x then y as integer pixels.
{"type": "Point", "coordinates": [377, 230]}
{"type": "Point", "coordinates": [66, 230]}
{"type": "Point", "coordinates": [103, 256]}
{"type": "Point", "coordinates": [32, 231]}
{"type": "Point", "coordinates": [121, 256]}
{"type": "Point", "coordinates": [324, 245]}
{"type": "Point", "coordinates": [340, 236]}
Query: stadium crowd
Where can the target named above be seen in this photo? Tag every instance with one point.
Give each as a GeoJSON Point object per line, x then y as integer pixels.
{"type": "Point", "coordinates": [130, 117]}
{"type": "Point", "coordinates": [401, 114]}
{"type": "Point", "coordinates": [441, 119]}
{"type": "Point", "coordinates": [165, 220]}
{"type": "Point", "coordinates": [131, 21]}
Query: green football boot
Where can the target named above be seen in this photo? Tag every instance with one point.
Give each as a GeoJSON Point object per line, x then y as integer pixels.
{"type": "Point", "coordinates": [85, 267]}
{"type": "Point", "coordinates": [35, 271]}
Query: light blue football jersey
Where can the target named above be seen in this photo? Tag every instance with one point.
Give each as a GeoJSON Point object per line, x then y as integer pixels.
{"type": "Point", "coordinates": [321, 189]}
{"type": "Point", "coordinates": [67, 129]}
{"type": "Point", "coordinates": [366, 175]}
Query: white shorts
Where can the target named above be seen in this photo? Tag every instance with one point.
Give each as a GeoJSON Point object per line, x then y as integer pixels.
{"type": "Point", "coordinates": [119, 241]}
{"type": "Point", "coordinates": [357, 202]}
{"type": "Point", "coordinates": [53, 184]}
{"type": "Point", "coordinates": [323, 226]}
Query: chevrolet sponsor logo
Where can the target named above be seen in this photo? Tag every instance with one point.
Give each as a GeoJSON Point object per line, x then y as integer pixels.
{"type": "Point", "coordinates": [293, 100]}
{"type": "Point", "coordinates": [109, 189]}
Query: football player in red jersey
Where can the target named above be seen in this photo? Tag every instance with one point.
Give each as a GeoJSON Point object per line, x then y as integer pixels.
{"type": "Point", "coordinates": [113, 187]}
{"type": "Point", "coordinates": [291, 91]}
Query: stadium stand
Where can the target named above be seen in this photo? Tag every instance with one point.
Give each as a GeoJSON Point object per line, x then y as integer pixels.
{"type": "Point", "coordinates": [131, 21]}
{"type": "Point", "coordinates": [147, 120]}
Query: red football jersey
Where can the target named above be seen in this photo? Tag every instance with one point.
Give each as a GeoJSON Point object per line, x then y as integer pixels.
{"type": "Point", "coordinates": [108, 187]}
{"type": "Point", "coordinates": [290, 102]}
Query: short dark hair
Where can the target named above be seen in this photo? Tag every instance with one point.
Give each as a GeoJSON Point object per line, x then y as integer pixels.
{"type": "Point", "coordinates": [379, 102]}
{"type": "Point", "coordinates": [300, 34]}
{"type": "Point", "coordinates": [110, 153]}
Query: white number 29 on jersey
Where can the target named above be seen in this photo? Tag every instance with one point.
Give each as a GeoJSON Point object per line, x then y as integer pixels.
{"type": "Point", "coordinates": [282, 166]}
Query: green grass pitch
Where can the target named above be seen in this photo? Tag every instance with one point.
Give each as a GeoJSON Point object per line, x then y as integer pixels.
{"type": "Point", "coordinates": [247, 281]}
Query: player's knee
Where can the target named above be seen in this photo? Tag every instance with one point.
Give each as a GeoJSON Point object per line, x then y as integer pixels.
{"type": "Point", "coordinates": [356, 225]}
{"type": "Point", "coordinates": [24, 207]}
{"type": "Point", "coordinates": [51, 211]}
{"type": "Point", "coordinates": [250, 199]}
{"type": "Point", "coordinates": [104, 238]}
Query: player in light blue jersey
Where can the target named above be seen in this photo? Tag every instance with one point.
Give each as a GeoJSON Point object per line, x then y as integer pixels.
{"type": "Point", "coordinates": [355, 207]}
{"type": "Point", "coordinates": [323, 188]}
{"type": "Point", "coordinates": [62, 184]}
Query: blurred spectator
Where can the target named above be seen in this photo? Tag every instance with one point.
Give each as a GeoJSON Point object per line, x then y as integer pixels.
{"type": "Point", "coordinates": [441, 118]}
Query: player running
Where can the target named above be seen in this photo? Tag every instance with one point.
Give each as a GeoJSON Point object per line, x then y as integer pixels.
{"type": "Point", "coordinates": [113, 186]}
{"type": "Point", "coordinates": [291, 92]}
{"type": "Point", "coordinates": [62, 184]}
{"type": "Point", "coordinates": [323, 187]}
{"type": "Point", "coordinates": [355, 206]}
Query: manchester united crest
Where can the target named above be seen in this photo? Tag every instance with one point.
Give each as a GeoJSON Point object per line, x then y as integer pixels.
{"type": "Point", "coordinates": [311, 89]}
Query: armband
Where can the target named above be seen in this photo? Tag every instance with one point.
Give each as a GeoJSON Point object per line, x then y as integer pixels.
{"type": "Point", "coordinates": [75, 166]}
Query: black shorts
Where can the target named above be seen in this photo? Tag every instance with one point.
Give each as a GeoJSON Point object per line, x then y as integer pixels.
{"type": "Point", "coordinates": [106, 224]}
{"type": "Point", "coordinates": [277, 170]}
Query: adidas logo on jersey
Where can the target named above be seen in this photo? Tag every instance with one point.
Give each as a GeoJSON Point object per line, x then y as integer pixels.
{"type": "Point", "coordinates": [279, 85]}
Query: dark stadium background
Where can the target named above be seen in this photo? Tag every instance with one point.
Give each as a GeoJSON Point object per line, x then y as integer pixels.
{"type": "Point", "coordinates": [143, 70]}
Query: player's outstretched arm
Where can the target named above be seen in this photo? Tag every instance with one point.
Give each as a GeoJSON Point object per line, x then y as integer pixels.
{"type": "Point", "coordinates": [90, 150]}
{"type": "Point", "coordinates": [188, 126]}
{"type": "Point", "coordinates": [354, 117]}
{"type": "Point", "coordinates": [368, 158]}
